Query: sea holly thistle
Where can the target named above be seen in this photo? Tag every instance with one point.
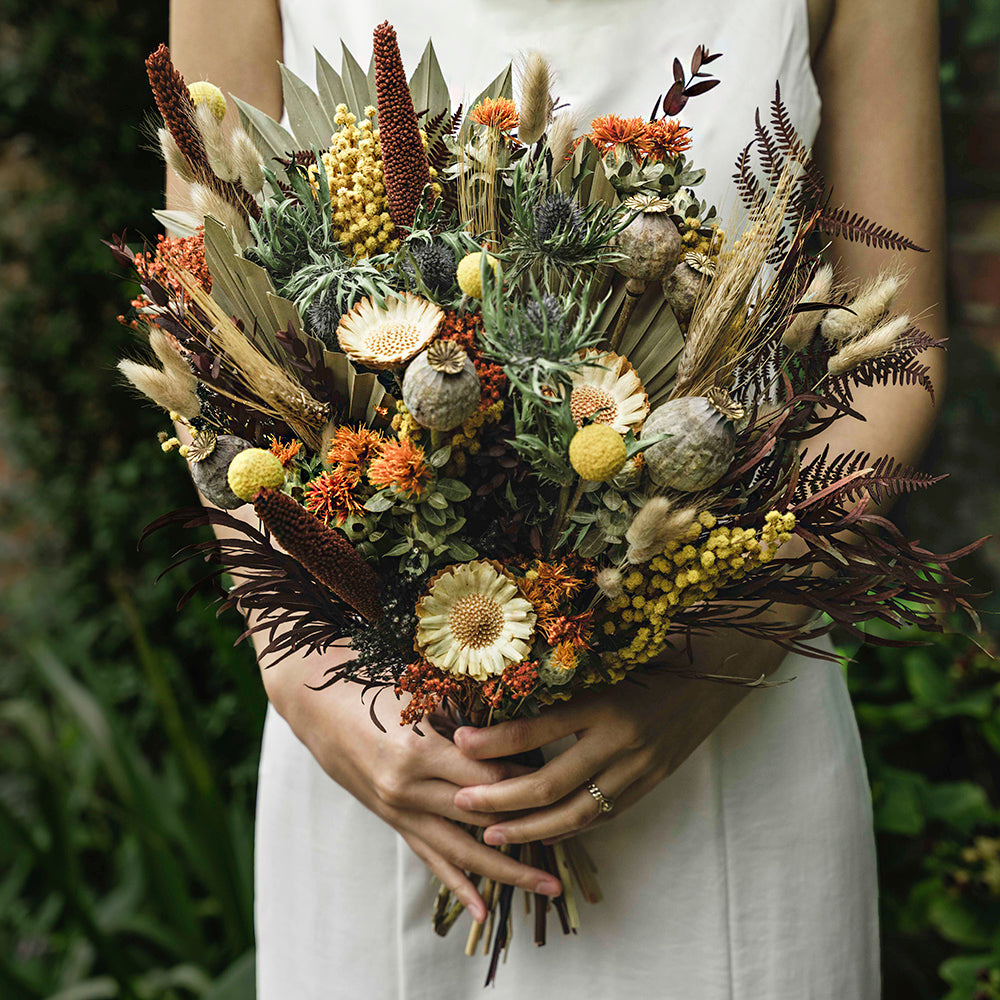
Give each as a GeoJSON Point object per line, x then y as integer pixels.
{"type": "Point", "coordinates": [539, 341]}
{"type": "Point", "coordinates": [553, 237]}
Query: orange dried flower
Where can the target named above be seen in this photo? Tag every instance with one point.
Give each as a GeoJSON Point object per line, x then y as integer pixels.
{"type": "Point", "coordinates": [564, 656]}
{"type": "Point", "coordinates": [331, 497]}
{"type": "Point", "coordinates": [400, 464]}
{"type": "Point", "coordinates": [171, 254]}
{"type": "Point", "coordinates": [461, 328]}
{"type": "Point", "coordinates": [428, 687]}
{"type": "Point", "coordinates": [574, 629]}
{"type": "Point", "coordinates": [609, 131]}
{"type": "Point", "coordinates": [550, 585]}
{"type": "Point", "coordinates": [520, 678]}
{"type": "Point", "coordinates": [350, 452]}
{"type": "Point", "coordinates": [666, 138]}
{"type": "Point", "coordinates": [285, 452]}
{"type": "Point", "coordinates": [496, 112]}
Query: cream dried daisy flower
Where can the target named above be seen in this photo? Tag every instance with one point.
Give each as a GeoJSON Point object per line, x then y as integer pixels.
{"type": "Point", "coordinates": [388, 337]}
{"type": "Point", "coordinates": [610, 385]}
{"type": "Point", "coordinates": [472, 620]}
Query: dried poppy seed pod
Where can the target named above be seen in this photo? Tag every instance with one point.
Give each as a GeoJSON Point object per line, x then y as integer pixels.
{"type": "Point", "coordinates": [701, 444]}
{"type": "Point", "coordinates": [683, 285]}
{"type": "Point", "coordinates": [650, 242]}
{"type": "Point", "coordinates": [208, 458]}
{"type": "Point", "coordinates": [441, 386]}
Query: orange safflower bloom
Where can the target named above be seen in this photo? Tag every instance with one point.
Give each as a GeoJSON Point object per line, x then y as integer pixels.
{"type": "Point", "coordinates": [330, 497]}
{"type": "Point", "coordinates": [496, 112]}
{"type": "Point", "coordinates": [350, 452]}
{"type": "Point", "coordinates": [666, 138]}
{"type": "Point", "coordinates": [574, 629]}
{"type": "Point", "coordinates": [285, 452]}
{"type": "Point", "coordinates": [400, 464]}
{"type": "Point", "coordinates": [609, 131]}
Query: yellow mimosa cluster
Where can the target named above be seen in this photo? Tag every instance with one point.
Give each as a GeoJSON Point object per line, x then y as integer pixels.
{"type": "Point", "coordinates": [684, 574]}
{"type": "Point", "coordinates": [357, 186]}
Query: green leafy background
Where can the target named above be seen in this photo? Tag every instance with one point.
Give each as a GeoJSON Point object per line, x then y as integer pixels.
{"type": "Point", "coordinates": [129, 734]}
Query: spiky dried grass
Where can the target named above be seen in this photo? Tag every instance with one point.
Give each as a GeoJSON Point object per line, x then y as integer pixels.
{"type": "Point", "coordinates": [802, 327]}
{"type": "Point", "coordinates": [536, 98]}
{"type": "Point", "coordinates": [207, 202]}
{"type": "Point", "coordinates": [270, 389]}
{"type": "Point", "coordinates": [173, 156]}
{"type": "Point", "coordinates": [248, 162]}
{"type": "Point", "coordinates": [871, 345]}
{"type": "Point", "coordinates": [865, 310]}
{"type": "Point", "coordinates": [562, 133]}
{"type": "Point", "coordinates": [218, 147]}
{"type": "Point", "coordinates": [721, 332]}
{"type": "Point", "coordinates": [656, 524]}
{"type": "Point", "coordinates": [173, 386]}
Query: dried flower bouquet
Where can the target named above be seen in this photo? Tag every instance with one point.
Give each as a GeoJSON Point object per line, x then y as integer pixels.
{"type": "Point", "coordinates": [517, 413]}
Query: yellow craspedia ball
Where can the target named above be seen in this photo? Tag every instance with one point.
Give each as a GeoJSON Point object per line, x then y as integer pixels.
{"type": "Point", "coordinates": [254, 469]}
{"type": "Point", "coordinates": [469, 276]}
{"type": "Point", "coordinates": [597, 452]}
{"type": "Point", "coordinates": [204, 92]}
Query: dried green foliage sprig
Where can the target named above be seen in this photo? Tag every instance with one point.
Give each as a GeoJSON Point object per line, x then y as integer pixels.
{"type": "Point", "coordinates": [539, 340]}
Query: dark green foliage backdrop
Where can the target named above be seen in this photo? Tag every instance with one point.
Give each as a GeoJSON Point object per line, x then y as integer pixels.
{"type": "Point", "coordinates": [128, 735]}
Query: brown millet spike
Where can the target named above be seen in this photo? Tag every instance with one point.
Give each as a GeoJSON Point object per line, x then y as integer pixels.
{"type": "Point", "coordinates": [325, 553]}
{"type": "Point", "coordinates": [177, 108]}
{"type": "Point", "coordinates": [404, 162]}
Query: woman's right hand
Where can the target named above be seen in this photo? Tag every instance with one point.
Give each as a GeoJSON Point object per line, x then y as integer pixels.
{"type": "Point", "coordinates": [408, 780]}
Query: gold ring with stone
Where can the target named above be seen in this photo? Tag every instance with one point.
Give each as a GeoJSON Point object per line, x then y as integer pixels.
{"type": "Point", "coordinates": [605, 804]}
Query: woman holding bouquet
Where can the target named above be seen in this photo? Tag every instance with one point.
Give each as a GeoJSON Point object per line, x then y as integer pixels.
{"type": "Point", "coordinates": [731, 828]}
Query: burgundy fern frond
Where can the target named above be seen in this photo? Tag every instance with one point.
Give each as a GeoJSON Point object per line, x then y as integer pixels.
{"type": "Point", "coordinates": [747, 185]}
{"type": "Point", "coordinates": [771, 157]}
{"type": "Point", "coordinates": [298, 612]}
{"type": "Point", "coordinates": [899, 366]}
{"type": "Point", "coordinates": [856, 228]}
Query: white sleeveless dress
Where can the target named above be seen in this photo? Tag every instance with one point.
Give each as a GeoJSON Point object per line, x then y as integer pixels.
{"type": "Point", "coordinates": [749, 874]}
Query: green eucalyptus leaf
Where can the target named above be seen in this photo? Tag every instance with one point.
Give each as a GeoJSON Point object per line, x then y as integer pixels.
{"type": "Point", "coordinates": [401, 548]}
{"type": "Point", "coordinates": [453, 489]}
{"type": "Point", "coordinates": [459, 550]}
{"type": "Point", "coordinates": [440, 457]}
{"type": "Point", "coordinates": [380, 502]}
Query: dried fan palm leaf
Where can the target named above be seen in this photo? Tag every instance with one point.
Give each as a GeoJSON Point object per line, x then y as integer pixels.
{"type": "Point", "coordinates": [282, 395]}
{"type": "Point", "coordinates": [311, 123]}
{"type": "Point", "coordinates": [428, 87]}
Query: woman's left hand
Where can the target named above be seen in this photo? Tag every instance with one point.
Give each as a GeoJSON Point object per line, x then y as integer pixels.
{"type": "Point", "coordinates": [629, 738]}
